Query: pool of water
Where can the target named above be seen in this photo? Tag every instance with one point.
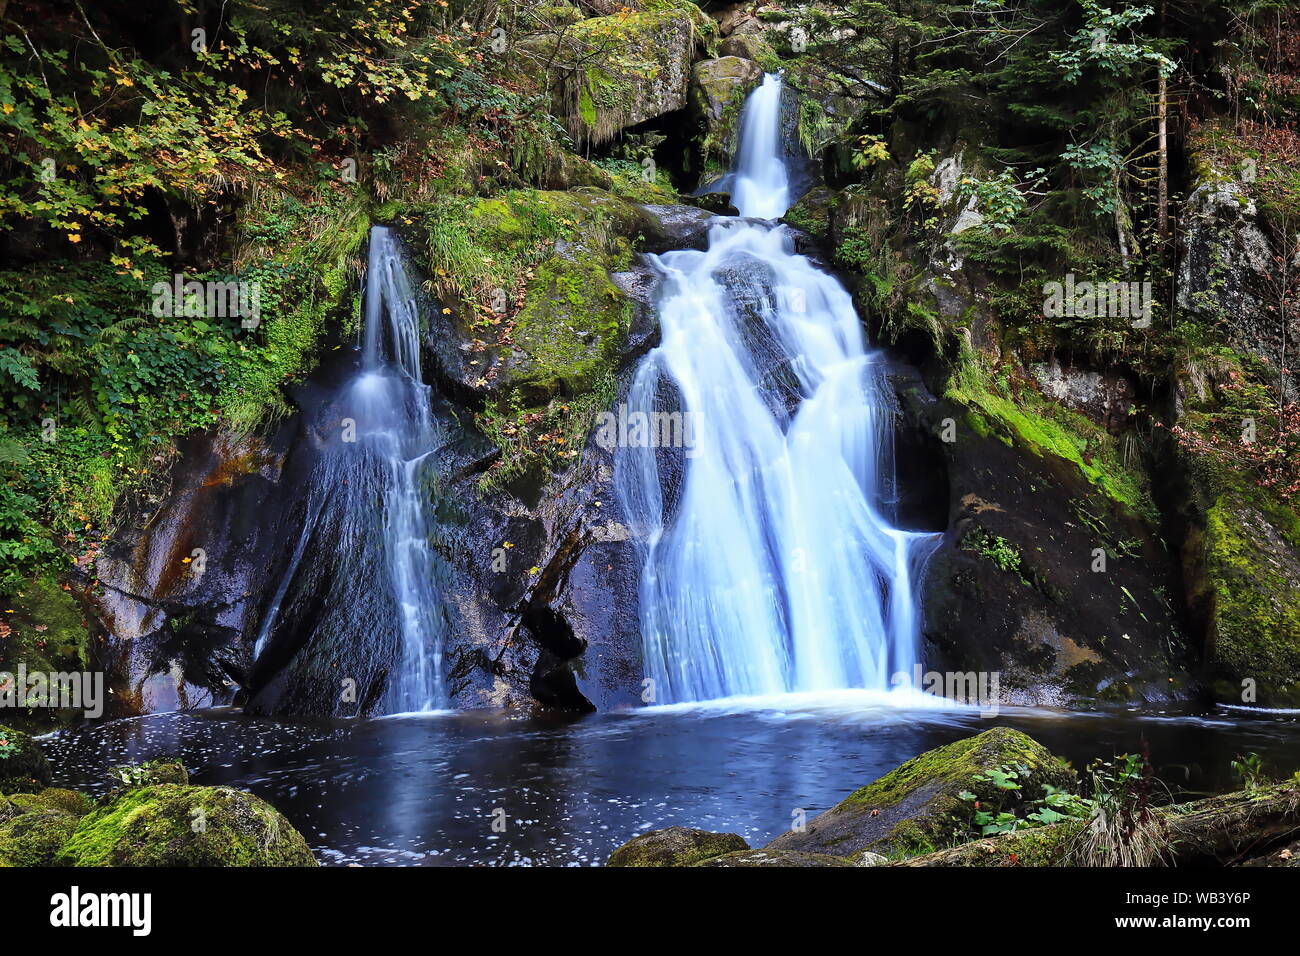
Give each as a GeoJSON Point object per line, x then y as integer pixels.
{"type": "Point", "coordinates": [426, 789]}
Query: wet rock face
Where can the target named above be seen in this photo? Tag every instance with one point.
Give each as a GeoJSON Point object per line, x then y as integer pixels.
{"type": "Point", "coordinates": [181, 588]}
{"type": "Point", "coordinates": [1106, 396]}
{"type": "Point", "coordinates": [1227, 272]}
{"type": "Point", "coordinates": [1013, 589]}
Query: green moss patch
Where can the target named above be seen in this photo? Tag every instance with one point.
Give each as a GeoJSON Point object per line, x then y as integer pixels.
{"type": "Point", "coordinates": [917, 807]}
{"type": "Point", "coordinates": [172, 825]}
{"type": "Point", "coordinates": [1252, 566]}
{"type": "Point", "coordinates": [675, 846]}
{"type": "Point", "coordinates": [35, 838]}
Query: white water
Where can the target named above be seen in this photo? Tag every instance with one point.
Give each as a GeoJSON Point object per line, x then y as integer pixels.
{"type": "Point", "coordinates": [375, 437]}
{"type": "Point", "coordinates": [393, 420]}
{"type": "Point", "coordinates": [771, 566]}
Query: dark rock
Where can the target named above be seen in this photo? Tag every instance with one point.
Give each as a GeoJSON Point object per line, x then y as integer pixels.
{"type": "Point", "coordinates": [679, 227]}
{"type": "Point", "coordinates": [23, 768]}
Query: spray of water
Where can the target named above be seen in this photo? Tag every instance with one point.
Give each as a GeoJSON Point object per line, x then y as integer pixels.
{"type": "Point", "coordinates": [770, 561]}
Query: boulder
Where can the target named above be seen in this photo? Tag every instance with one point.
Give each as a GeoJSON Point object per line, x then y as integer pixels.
{"type": "Point", "coordinates": [54, 798]}
{"type": "Point", "coordinates": [35, 838]}
{"type": "Point", "coordinates": [747, 45]}
{"type": "Point", "coordinates": [774, 858]}
{"type": "Point", "coordinates": [1248, 589]}
{"type": "Point", "coordinates": [617, 71]}
{"type": "Point", "coordinates": [680, 227]}
{"type": "Point", "coordinates": [174, 825]}
{"type": "Point", "coordinates": [676, 846]}
{"type": "Point", "coordinates": [916, 807]}
{"type": "Point", "coordinates": [718, 91]}
{"type": "Point", "coordinates": [1227, 267]}
{"type": "Point", "coordinates": [23, 768]}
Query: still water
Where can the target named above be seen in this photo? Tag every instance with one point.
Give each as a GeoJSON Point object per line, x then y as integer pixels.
{"type": "Point", "coordinates": [424, 789]}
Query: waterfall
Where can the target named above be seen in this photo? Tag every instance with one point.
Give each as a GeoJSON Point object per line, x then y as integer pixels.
{"type": "Point", "coordinates": [770, 561]}
{"type": "Point", "coordinates": [366, 538]}
{"type": "Point", "coordinates": [392, 402]}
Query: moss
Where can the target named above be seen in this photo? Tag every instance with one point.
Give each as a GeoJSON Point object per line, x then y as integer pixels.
{"type": "Point", "coordinates": [172, 825]}
{"type": "Point", "coordinates": [608, 66]}
{"type": "Point", "coordinates": [916, 808]}
{"type": "Point", "coordinates": [1040, 846]}
{"type": "Point", "coordinates": [23, 768]}
{"type": "Point", "coordinates": [48, 634]}
{"type": "Point", "coordinates": [675, 846]}
{"type": "Point", "coordinates": [35, 838]}
{"type": "Point", "coordinates": [302, 254]}
{"type": "Point", "coordinates": [1044, 427]}
{"type": "Point", "coordinates": [784, 859]}
{"type": "Point", "coordinates": [54, 798]}
{"type": "Point", "coordinates": [1253, 570]}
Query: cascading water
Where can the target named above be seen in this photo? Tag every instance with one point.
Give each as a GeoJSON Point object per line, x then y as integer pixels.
{"type": "Point", "coordinates": [366, 514]}
{"type": "Point", "coordinates": [770, 564]}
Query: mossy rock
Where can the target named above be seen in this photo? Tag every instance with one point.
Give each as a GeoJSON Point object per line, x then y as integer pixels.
{"type": "Point", "coordinates": [1038, 846]}
{"type": "Point", "coordinates": [23, 768]}
{"type": "Point", "coordinates": [675, 846]}
{"type": "Point", "coordinates": [1252, 575]}
{"type": "Point", "coordinates": [774, 858]}
{"type": "Point", "coordinates": [54, 798]}
{"type": "Point", "coordinates": [917, 807]}
{"type": "Point", "coordinates": [35, 838]}
{"type": "Point", "coordinates": [811, 213]}
{"type": "Point", "coordinates": [718, 91]}
{"type": "Point", "coordinates": [150, 774]}
{"type": "Point", "coordinates": [173, 825]}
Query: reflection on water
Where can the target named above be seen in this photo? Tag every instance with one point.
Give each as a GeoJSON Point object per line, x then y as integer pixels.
{"type": "Point", "coordinates": [422, 789]}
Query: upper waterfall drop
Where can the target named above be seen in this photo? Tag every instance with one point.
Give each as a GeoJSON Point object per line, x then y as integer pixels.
{"type": "Point", "coordinates": [762, 186]}
{"type": "Point", "coordinates": [771, 563]}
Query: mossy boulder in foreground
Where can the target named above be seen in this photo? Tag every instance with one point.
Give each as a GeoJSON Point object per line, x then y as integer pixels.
{"type": "Point", "coordinates": [54, 798]}
{"type": "Point", "coordinates": [916, 808]}
{"type": "Point", "coordinates": [174, 825]}
{"type": "Point", "coordinates": [774, 858]}
{"type": "Point", "coordinates": [34, 838]}
{"type": "Point", "coordinates": [23, 768]}
{"type": "Point", "coordinates": [675, 846]}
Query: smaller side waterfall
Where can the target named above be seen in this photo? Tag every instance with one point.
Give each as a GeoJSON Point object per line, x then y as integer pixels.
{"type": "Point", "coordinates": [361, 596]}
{"type": "Point", "coordinates": [395, 425]}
